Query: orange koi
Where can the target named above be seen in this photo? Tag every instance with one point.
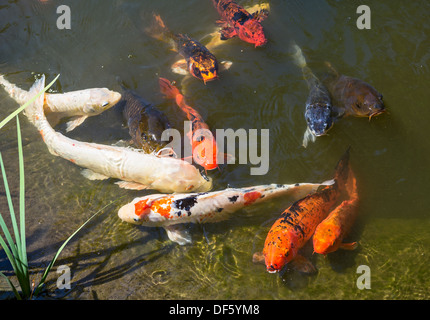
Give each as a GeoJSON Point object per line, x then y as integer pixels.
{"type": "Point", "coordinates": [203, 144]}
{"type": "Point", "coordinates": [332, 230]}
{"type": "Point", "coordinates": [297, 224]}
{"type": "Point", "coordinates": [236, 21]}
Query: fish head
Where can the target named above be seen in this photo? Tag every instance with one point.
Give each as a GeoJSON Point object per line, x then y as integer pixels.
{"type": "Point", "coordinates": [319, 118]}
{"type": "Point", "coordinates": [326, 237]}
{"type": "Point", "coordinates": [205, 149]}
{"type": "Point", "coordinates": [139, 210]}
{"type": "Point", "coordinates": [101, 99]}
{"type": "Point", "coordinates": [203, 67]}
{"type": "Point", "coordinates": [278, 250]}
{"type": "Point", "coordinates": [368, 102]}
{"type": "Point", "coordinates": [252, 32]}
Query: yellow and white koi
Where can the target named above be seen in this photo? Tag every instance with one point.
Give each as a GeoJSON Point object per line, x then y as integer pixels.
{"type": "Point", "coordinates": [136, 170]}
{"type": "Point", "coordinates": [170, 211]}
{"type": "Point", "coordinates": [79, 105]}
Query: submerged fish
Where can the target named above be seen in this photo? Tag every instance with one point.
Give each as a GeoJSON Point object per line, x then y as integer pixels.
{"type": "Point", "coordinates": [145, 122]}
{"type": "Point", "coordinates": [79, 105]}
{"type": "Point", "coordinates": [297, 223]}
{"type": "Point", "coordinates": [330, 233]}
{"type": "Point", "coordinates": [236, 21]}
{"type": "Point", "coordinates": [169, 211]}
{"type": "Point", "coordinates": [355, 96]}
{"type": "Point", "coordinates": [136, 169]}
{"type": "Point", "coordinates": [199, 61]}
{"type": "Point", "coordinates": [203, 144]}
{"type": "Point", "coordinates": [319, 113]}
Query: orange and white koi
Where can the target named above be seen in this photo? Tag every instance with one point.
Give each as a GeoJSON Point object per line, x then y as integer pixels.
{"type": "Point", "coordinates": [330, 233]}
{"type": "Point", "coordinates": [236, 21]}
{"type": "Point", "coordinates": [203, 144]}
{"type": "Point", "coordinates": [297, 223]}
{"type": "Point", "coordinates": [136, 170]}
{"type": "Point", "coordinates": [170, 211]}
{"type": "Point", "coordinates": [200, 62]}
{"type": "Point", "coordinates": [79, 105]}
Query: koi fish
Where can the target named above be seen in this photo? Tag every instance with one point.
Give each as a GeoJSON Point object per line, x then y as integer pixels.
{"type": "Point", "coordinates": [297, 223]}
{"type": "Point", "coordinates": [79, 105]}
{"type": "Point", "coordinates": [203, 144]}
{"type": "Point", "coordinates": [319, 113]}
{"type": "Point", "coordinates": [236, 21]}
{"type": "Point", "coordinates": [170, 211]}
{"type": "Point", "coordinates": [331, 231]}
{"type": "Point", "coordinates": [136, 170]}
{"type": "Point", "coordinates": [214, 37]}
{"type": "Point", "coordinates": [199, 61]}
{"type": "Point", "coordinates": [145, 122]}
{"type": "Point", "coordinates": [356, 97]}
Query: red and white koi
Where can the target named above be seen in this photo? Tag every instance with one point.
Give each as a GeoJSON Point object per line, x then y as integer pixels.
{"type": "Point", "coordinates": [79, 105]}
{"type": "Point", "coordinates": [136, 170]}
{"type": "Point", "coordinates": [169, 211]}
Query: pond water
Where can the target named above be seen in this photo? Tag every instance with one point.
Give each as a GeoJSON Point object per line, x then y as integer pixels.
{"type": "Point", "coordinates": [110, 259]}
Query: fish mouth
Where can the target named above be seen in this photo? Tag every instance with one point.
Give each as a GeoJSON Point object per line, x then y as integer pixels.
{"type": "Point", "coordinates": [376, 113]}
{"type": "Point", "coordinates": [209, 78]}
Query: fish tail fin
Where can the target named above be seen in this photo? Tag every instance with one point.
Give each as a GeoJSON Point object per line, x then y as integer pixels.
{"type": "Point", "coordinates": [299, 58]}
{"type": "Point", "coordinates": [34, 111]}
{"type": "Point", "coordinates": [19, 95]}
{"type": "Point", "coordinates": [168, 89]}
{"type": "Point", "coordinates": [342, 169]}
{"type": "Point", "coordinates": [158, 29]}
{"type": "Point", "coordinates": [351, 185]}
{"type": "Point", "coordinates": [331, 68]}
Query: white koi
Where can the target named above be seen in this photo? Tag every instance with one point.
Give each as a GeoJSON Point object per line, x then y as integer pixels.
{"type": "Point", "coordinates": [79, 105]}
{"type": "Point", "coordinates": [169, 211]}
{"type": "Point", "coordinates": [136, 170]}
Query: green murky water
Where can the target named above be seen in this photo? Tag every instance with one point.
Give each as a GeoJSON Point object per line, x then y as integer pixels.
{"type": "Point", "coordinates": [264, 89]}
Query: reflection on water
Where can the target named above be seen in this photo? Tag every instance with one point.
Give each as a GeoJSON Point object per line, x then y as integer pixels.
{"type": "Point", "coordinates": [263, 89]}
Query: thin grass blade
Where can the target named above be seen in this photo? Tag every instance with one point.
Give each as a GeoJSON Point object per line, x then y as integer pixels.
{"type": "Point", "coordinates": [14, 248]}
{"type": "Point", "coordinates": [21, 197]}
{"type": "Point", "coordinates": [15, 292]}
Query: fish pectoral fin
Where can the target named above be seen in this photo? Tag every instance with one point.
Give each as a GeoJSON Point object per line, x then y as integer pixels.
{"type": "Point", "coordinates": [180, 67]}
{"type": "Point", "coordinates": [308, 136]}
{"type": "Point", "coordinates": [303, 265]}
{"type": "Point", "coordinates": [258, 258]}
{"type": "Point", "coordinates": [177, 233]}
{"type": "Point", "coordinates": [258, 7]}
{"type": "Point", "coordinates": [349, 246]}
{"type": "Point", "coordinates": [228, 33]}
{"type": "Point", "coordinates": [122, 144]}
{"type": "Point", "coordinates": [131, 185]}
{"type": "Point", "coordinates": [91, 175]}
{"type": "Point", "coordinates": [221, 23]}
{"type": "Point", "coordinates": [76, 121]}
{"type": "Point", "coordinates": [225, 65]}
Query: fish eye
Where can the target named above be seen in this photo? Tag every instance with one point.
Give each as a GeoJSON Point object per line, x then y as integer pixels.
{"type": "Point", "coordinates": [136, 219]}
{"type": "Point", "coordinates": [104, 104]}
